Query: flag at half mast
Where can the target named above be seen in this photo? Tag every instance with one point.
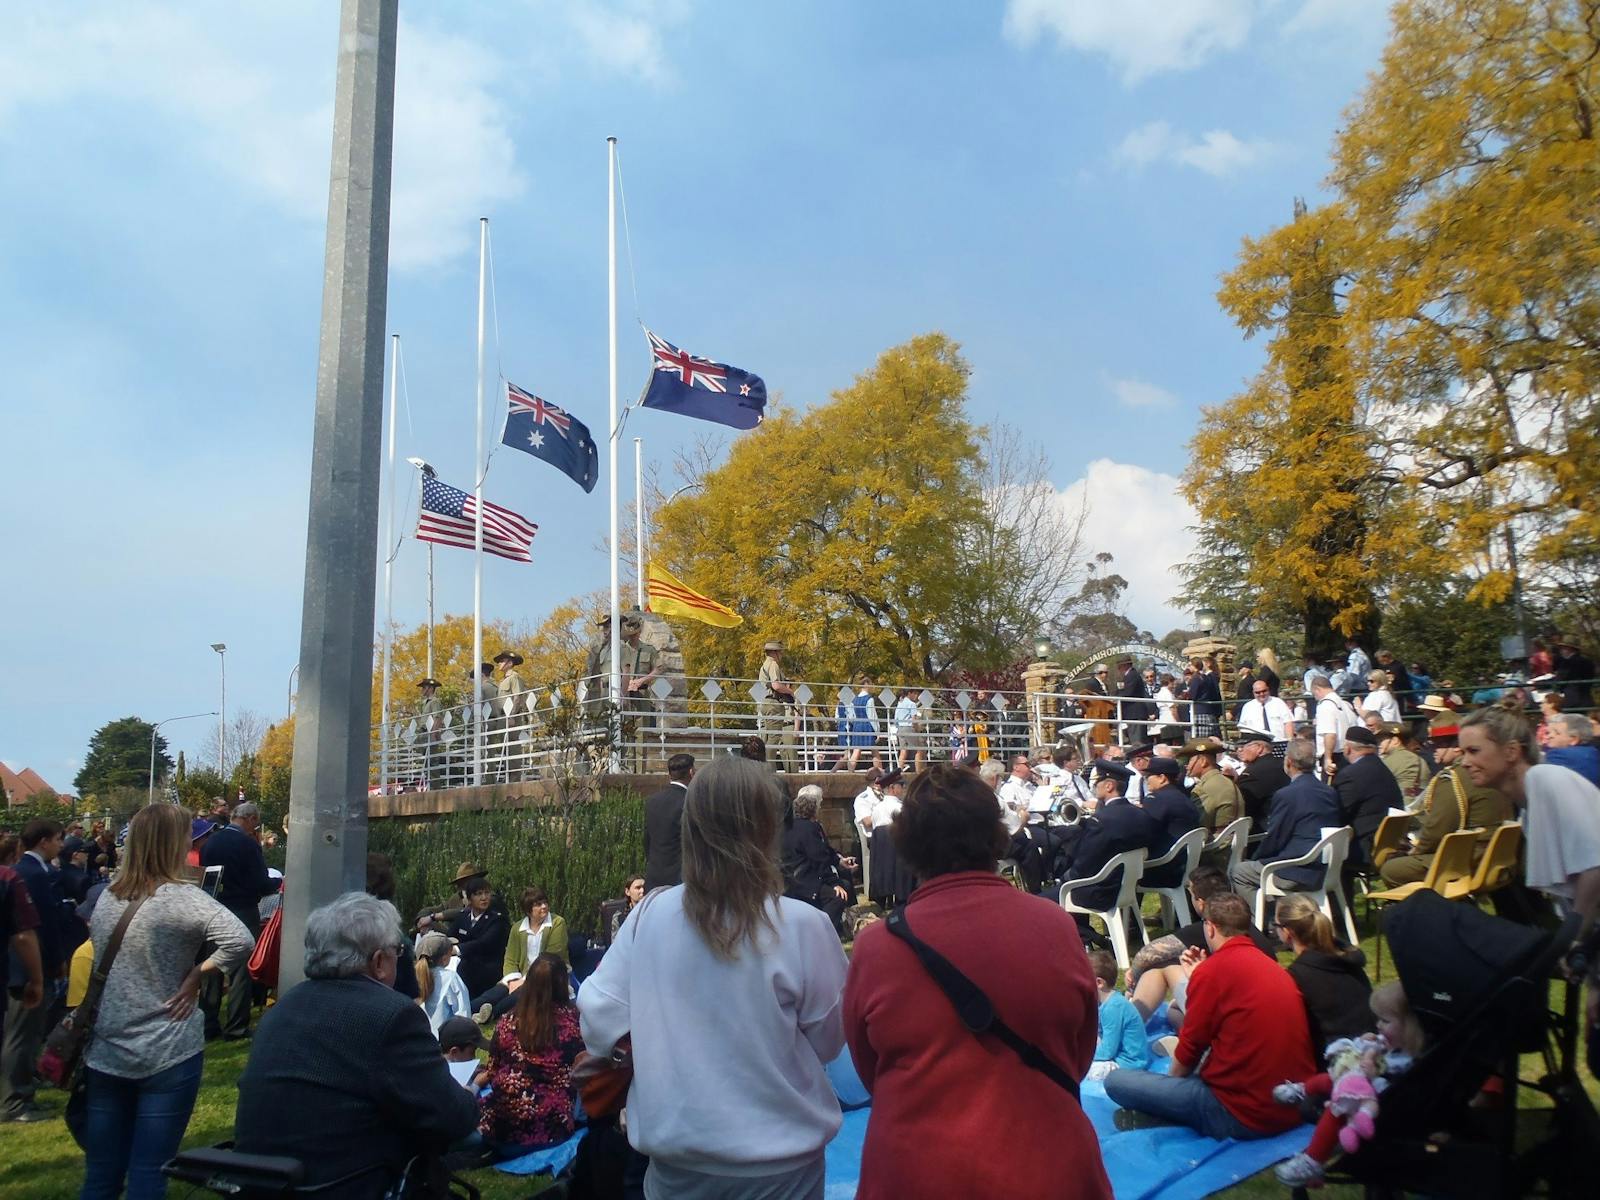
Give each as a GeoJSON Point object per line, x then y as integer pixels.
{"type": "Point", "coordinates": [697, 387]}
{"type": "Point", "coordinates": [448, 516]}
{"type": "Point", "coordinates": [667, 596]}
{"type": "Point", "coordinates": [544, 430]}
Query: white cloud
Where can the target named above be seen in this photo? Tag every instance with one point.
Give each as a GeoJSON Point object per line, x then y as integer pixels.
{"type": "Point", "coordinates": [625, 36]}
{"type": "Point", "coordinates": [1217, 152]}
{"type": "Point", "coordinates": [266, 120]}
{"type": "Point", "coordinates": [1140, 37]}
{"type": "Point", "coordinates": [1139, 517]}
{"type": "Point", "coordinates": [1136, 393]}
{"type": "Point", "coordinates": [1321, 16]}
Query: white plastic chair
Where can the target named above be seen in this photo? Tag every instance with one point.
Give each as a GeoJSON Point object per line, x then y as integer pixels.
{"type": "Point", "coordinates": [1236, 839]}
{"type": "Point", "coordinates": [1332, 849]}
{"type": "Point", "coordinates": [1116, 917]}
{"type": "Point", "coordinates": [1175, 899]}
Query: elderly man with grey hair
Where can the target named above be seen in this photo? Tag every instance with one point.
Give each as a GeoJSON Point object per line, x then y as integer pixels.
{"type": "Point", "coordinates": [344, 1073]}
{"type": "Point", "coordinates": [1570, 743]}
{"type": "Point", "coordinates": [813, 870]}
{"type": "Point", "coordinates": [235, 850]}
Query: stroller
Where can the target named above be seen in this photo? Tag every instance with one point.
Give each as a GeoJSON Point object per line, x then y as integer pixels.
{"type": "Point", "coordinates": [224, 1171]}
{"type": "Point", "coordinates": [1481, 987]}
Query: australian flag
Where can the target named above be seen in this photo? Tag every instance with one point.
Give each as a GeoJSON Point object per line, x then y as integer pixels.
{"type": "Point", "coordinates": [539, 428]}
{"type": "Point", "coordinates": [698, 387]}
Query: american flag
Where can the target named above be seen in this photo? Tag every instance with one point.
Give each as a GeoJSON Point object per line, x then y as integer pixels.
{"type": "Point", "coordinates": [448, 516]}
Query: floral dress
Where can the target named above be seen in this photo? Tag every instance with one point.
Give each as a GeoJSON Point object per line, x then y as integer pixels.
{"type": "Point", "coordinates": [530, 1095]}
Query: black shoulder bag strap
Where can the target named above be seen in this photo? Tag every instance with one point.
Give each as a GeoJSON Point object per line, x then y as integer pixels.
{"type": "Point", "coordinates": [974, 1007]}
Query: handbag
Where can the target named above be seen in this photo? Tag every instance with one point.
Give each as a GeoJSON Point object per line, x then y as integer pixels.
{"type": "Point", "coordinates": [603, 1083]}
{"type": "Point", "coordinates": [62, 1062]}
{"type": "Point", "coordinates": [264, 958]}
{"type": "Point", "coordinates": [974, 1007]}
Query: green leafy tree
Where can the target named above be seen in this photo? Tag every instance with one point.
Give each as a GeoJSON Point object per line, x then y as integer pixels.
{"type": "Point", "coordinates": [119, 757]}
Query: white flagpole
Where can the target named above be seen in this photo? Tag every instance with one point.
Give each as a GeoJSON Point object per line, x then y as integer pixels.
{"type": "Point", "coordinates": [611, 443]}
{"type": "Point", "coordinates": [638, 516]}
{"type": "Point", "coordinates": [388, 574]}
{"type": "Point", "coordinates": [477, 519]}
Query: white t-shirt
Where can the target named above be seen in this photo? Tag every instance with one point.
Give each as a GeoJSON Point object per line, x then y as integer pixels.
{"type": "Point", "coordinates": [1017, 792]}
{"type": "Point", "coordinates": [1167, 706]}
{"type": "Point", "coordinates": [1334, 715]}
{"type": "Point", "coordinates": [885, 811]}
{"type": "Point", "coordinates": [1271, 716]}
{"type": "Point", "coordinates": [1562, 828]}
{"type": "Point", "coordinates": [1382, 702]}
{"type": "Point", "coordinates": [728, 1055]}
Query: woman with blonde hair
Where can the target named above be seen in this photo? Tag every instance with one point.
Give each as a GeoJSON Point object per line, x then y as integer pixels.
{"type": "Point", "coordinates": [145, 1054]}
{"type": "Point", "coordinates": [731, 994]}
{"type": "Point", "coordinates": [1331, 976]}
{"type": "Point", "coordinates": [1267, 668]}
{"type": "Point", "coordinates": [440, 990]}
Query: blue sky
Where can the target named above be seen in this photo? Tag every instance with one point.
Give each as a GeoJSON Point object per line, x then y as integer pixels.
{"type": "Point", "coordinates": [1055, 183]}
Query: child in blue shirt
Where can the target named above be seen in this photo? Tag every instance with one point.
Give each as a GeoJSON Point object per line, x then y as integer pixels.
{"type": "Point", "coordinates": [1122, 1038]}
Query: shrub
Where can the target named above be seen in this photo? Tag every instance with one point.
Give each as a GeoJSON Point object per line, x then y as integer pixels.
{"type": "Point", "coordinates": [578, 852]}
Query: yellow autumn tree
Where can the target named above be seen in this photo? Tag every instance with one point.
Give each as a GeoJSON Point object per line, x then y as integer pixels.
{"type": "Point", "coordinates": [860, 533]}
{"type": "Point", "coordinates": [1460, 256]}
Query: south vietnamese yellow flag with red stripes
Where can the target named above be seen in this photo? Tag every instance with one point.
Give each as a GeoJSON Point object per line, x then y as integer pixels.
{"type": "Point", "coordinates": [668, 597]}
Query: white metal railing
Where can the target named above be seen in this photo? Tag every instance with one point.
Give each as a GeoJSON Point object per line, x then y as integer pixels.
{"type": "Point", "coordinates": [570, 729]}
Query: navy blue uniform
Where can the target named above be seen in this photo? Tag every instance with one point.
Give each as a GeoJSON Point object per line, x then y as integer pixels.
{"type": "Point", "coordinates": [1116, 828]}
{"type": "Point", "coordinates": [1295, 823]}
{"type": "Point", "coordinates": [1174, 814]}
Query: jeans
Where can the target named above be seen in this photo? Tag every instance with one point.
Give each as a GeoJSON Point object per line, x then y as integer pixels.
{"type": "Point", "coordinates": [1187, 1101]}
{"type": "Point", "coordinates": [135, 1125]}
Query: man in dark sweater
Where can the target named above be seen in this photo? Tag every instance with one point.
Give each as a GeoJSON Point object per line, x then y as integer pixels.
{"type": "Point", "coordinates": [244, 882]}
{"type": "Point", "coordinates": [344, 1074]}
{"type": "Point", "coordinates": [1261, 778]}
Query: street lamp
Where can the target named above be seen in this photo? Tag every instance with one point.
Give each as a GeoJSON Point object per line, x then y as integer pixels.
{"type": "Point", "coordinates": [1206, 619]}
{"type": "Point", "coordinates": [153, 730]}
{"type": "Point", "coordinates": [1042, 649]}
{"type": "Point", "coordinates": [222, 712]}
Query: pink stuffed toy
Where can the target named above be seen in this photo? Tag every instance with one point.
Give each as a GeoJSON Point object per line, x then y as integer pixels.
{"type": "Point", "coordinates": [1356, 1100]}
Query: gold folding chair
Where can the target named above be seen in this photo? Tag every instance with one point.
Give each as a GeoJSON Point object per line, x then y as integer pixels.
{"type": "Point", "coordinates": [1497, 868]}
{"type": "Point", "coordinates": [1390, 838]}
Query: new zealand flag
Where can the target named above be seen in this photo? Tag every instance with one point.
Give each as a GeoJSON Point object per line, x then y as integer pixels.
{"type": "Point", "coordinates": [698, 387]}
{"type": "Point", "coordinates": [539, 428]}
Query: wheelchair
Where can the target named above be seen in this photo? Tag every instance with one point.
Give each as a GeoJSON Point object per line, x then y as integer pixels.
{"type": "Point", "coordinates": [224, 1171]}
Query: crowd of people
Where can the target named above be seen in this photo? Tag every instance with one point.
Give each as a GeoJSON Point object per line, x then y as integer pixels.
{"type": "Point", "coordinates": [466, 1033]}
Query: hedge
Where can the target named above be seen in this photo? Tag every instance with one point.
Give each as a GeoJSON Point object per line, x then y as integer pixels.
{"type": "Point", "coordinates": [580, 853]}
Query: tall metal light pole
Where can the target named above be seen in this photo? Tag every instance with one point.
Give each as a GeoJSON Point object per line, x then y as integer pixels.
{"type": "Point", "coordinates": [332, 737]}
{"type": "Point", "coordinates": [222, 713]}
{"type": "Point", "coordinates": [151, 797]}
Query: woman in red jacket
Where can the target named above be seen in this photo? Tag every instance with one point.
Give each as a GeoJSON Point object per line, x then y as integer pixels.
{"type": "Point", "coordinates": [940, 1094]}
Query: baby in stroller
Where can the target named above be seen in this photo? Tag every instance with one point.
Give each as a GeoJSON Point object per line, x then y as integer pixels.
{"type": "Point", "coordinates": [1359, 1069]}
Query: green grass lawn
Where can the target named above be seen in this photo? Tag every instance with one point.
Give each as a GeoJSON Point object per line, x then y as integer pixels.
{"type": "Point", "coordinates": [41, 1161]}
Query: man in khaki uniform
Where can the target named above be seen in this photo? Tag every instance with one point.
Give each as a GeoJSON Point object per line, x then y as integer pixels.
{"type": "Point", "coordinates": [1452, 802]}
{"type": "Point", "coordinates": [1214, 793]}
{"type": "Point", "coordinates": [509, 688]}
{"type": "Point", "coordinates": [776, 713]}
{"type": "Point", "coordinates": [1397, 746]}
{"type": "Point", "coordinates": [430, 724]}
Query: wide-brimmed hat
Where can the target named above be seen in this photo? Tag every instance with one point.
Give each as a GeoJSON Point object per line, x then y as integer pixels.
{"type": "Point", "coordinates": [1201, 745]}
{"type": "Point", "coordinates": [1434, 703]}
{"type": "Point", "coordinates": [1565, 640]}
{"type": "Point", "coordinates": [430, 681]}
{"type": "Point", "coordinates": [510, 656]}
{"type": "Point", "coordinates": [466, 871]}
{"type": "Point", "coordinates": [773, 646]}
